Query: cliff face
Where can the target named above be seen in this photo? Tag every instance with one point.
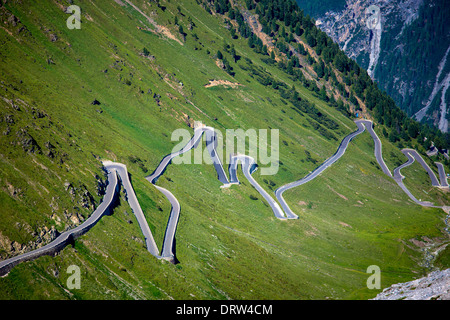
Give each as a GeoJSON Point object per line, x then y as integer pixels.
{"type": "Point", "coordinates": [406, 54]}
{"type": "Point", "coordinates": [360, 41]}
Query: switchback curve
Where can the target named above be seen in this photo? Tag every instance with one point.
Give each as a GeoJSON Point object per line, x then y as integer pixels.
{"type": "Point", "coordinates": [248, 167]}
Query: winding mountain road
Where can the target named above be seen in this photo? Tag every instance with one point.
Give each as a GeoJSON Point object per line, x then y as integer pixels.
{"type": "Point", "coordinates": [249, 166]}
{"type": "Point", "coordinates": [339, 153]}
{"type": "Point", "coordinates": [378, 146]}
{"type": "Point", "coordinates": [413, 153]}
{"type": "Point", "coordinates": [132, 200]}
{"type": "Point", "coordinates": [211, 144]}
{"type": "Point", "coordinates": [442, 175]}
{"type": "Point", "coordinates": [398, 177]}
{"type": "Point", "coordinates": [69, 236]}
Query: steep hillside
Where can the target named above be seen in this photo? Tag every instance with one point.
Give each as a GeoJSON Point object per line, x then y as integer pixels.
{"type": "Point", "coordinates": [118, 87]}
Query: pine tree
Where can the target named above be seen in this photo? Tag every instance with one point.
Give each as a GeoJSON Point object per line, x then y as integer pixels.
{"type": "Point", "coordinates": [323, 94]}
{"type": "Point", "coordinates": [233, 53]}
{"type": "Point", "coordinates": [272, 55]}
{"type": "Point", "coordinates": [298, 29]}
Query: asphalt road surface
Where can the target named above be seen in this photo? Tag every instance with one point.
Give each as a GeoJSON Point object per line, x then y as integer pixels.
{"type": "Point", "coordinates": [167, 251]}
{"type": "Point", "coordinates": [378, 146]}
{"type": "Point", "coordinates": [121, 170]}
{"type": "Point", "coordinates": [339, 153]}
{"type": "Point", "coordinates": [442, 175]}
{"type": "Point", "coordinates": [68, 236]}
{"type": "Point", "coordinates": [419, 159]}
{"type": "Point", "coordinates": [398, 177]}
{"type": "Point", "coordinates": [248, 165]}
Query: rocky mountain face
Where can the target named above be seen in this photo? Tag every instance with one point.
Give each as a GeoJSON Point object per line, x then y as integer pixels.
{"type": "Point", "coordinates": [405, 50]}
{"type": "Point", "coordinates": [435, 286]}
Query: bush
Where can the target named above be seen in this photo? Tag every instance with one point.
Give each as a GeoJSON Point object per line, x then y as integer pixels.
{"type": "Point", "coordinates": [145, 52]}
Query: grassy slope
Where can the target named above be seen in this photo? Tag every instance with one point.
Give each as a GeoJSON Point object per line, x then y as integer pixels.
{"type": "Point", "coordinates": [229, 246]}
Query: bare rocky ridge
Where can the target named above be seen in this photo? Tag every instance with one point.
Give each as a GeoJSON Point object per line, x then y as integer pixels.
{"type": "Point", "coordinates": [348, 27]}
{"type": "Point", "coordinates": [413, 85]}
{"type": "Point", "coordinates": [435, 286]}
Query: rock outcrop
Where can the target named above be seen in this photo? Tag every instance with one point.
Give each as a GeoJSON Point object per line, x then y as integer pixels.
{"type": "Point", "coordinates": [435, 286]}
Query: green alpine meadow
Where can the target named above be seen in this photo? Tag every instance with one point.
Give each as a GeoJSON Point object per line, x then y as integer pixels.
{"type": "Point", "coordinates": [85, 82]}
